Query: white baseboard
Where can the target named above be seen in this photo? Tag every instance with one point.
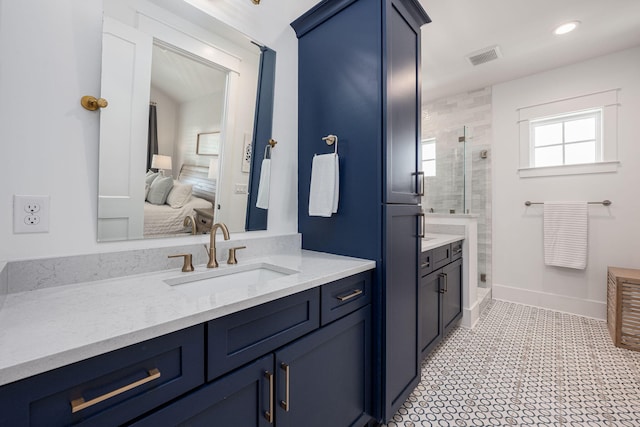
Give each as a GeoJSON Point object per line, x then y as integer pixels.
{"type": "Point", "coordinates": [581, 307]}
{"type": "Point", "coordinates": [470, 316]}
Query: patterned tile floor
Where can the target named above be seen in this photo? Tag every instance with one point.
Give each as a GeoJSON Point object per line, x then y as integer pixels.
{"type": "Point", "coordinates": [526, 366]}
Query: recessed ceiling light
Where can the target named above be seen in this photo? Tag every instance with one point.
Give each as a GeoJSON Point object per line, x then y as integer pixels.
{"type": "Point", "coordinates": [566, 28]}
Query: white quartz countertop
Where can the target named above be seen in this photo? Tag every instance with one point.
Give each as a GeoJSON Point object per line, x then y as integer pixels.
{"type": "Point", "coordinates": [435, 240]}
{"type": "Point", "coordinates": [45, 329]}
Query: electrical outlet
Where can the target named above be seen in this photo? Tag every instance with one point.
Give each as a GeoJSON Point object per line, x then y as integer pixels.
{"type": "Point", "coordinates": [32, 219]}
{"type": "Point", "coordinates": [30, 214]}
{"type": "Point", "coordinates": [32, 207]}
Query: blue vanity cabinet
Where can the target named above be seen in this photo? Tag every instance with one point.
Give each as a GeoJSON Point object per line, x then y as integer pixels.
{"type": "Point", "coordinates": [359, 78]}
{"type": "Point", "coordinates": [440, 296]}
{"type": "Point", "coordinates": [321, 379]}
{"type": "Point", "coordinates": [237, 370]}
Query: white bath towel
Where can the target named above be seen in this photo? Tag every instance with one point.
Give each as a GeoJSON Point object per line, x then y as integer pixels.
{"type": "Point", "coordinates": [262, 201]}
{"type": "Point", "coordinates": [565, 234]}
{"type": "Point", "coordinates": [325, 185]}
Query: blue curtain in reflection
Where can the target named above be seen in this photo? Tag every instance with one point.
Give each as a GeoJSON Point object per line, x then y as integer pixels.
{"type": "Point", "coordinates": [152, 143]}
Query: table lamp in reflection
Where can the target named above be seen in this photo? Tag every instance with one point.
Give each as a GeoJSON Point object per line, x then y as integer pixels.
{"type": "Point", "coordinates": [161, 163]}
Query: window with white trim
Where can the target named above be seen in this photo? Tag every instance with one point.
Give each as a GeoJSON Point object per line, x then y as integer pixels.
{"type": "Point", "coordinates": [569, 136]}
{"type": "Point", "coordinates": [568, 139]}
{"type": "Point", "coordinates": [429, 156]}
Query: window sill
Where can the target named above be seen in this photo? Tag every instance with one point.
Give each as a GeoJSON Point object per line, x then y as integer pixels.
{"type": "Point", "coordinates": [587, 168]}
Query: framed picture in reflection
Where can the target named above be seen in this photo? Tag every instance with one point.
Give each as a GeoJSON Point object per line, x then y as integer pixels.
{"type": "Point", "coordinates": [208, 144]}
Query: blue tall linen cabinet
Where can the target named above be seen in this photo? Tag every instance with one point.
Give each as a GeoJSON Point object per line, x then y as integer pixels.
{"type": "Point", "coordinates": [359, 79]}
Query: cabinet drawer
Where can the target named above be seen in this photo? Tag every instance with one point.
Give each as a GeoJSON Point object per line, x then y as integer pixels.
{"type": "Point", "coordinates": [109, 389]}
{"type": "Point", "coordinates": [344, 296]}
{"type": "Point", "coordinates": [238, 338]}
{"type": "Point", "coordinates": [426, 263]}
{"type": "Point", "coordinates": [456, 250]}
{"type": "Point", "coordinates": [441, 256]}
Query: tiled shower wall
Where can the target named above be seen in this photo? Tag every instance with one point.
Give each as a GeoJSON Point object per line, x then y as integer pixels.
{"type": "Point", "coordinates": [444, 119]}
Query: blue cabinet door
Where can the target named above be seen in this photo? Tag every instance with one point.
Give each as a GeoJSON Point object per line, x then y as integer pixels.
{"type": "Point", "coordinates": [401, 350]}
{"type": "Point", "coordinates": [430, 312]}
{"type": "Point", "coordinates": [452, 295]}
{"type": "Point", "coordinates": [324, 378]}
{"type": "Point", "coordinates": [402, 105]}
{"type": "Point", "coordinates": [242, 398]}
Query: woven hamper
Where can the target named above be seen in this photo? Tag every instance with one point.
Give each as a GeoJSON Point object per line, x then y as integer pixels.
{"type": "Point", "coordinates": [623, 307]}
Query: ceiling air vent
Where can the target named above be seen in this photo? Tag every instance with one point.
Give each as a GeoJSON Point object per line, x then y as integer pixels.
{"type": "Point", "coordinates": [484, 55]}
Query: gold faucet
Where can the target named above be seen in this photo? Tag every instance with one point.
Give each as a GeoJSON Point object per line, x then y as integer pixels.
{"type": "Point", "coordinates": [213, 262]}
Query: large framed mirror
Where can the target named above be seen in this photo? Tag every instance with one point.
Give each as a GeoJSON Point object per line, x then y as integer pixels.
{"type": "Point", "coordinates": [189, 117]}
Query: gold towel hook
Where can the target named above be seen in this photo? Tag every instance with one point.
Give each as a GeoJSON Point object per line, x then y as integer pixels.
{"type": "Point", "coordinates": [92, 103]}
{"type": "Point", "coordinates": [272, 142]}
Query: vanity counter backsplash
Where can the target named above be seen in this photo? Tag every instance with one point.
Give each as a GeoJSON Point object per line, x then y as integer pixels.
{"type": "Point", "coordinates": [46, 327]}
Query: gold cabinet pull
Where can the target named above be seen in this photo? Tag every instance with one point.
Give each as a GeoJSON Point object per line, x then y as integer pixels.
{"type": "Point", "coordinates": [347, 297]}
{"type": "Point", "coordinates": [285, 403]}
{"type": "Point", "coordinates": [79, 404]}
{"type": "Point", "coordinates": [269, 414]}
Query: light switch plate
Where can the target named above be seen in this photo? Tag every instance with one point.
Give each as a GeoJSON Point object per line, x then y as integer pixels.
{"type": "Point", "coordinates": [242, 188]}
{"type": "Point", "coordinates": [30, 214]}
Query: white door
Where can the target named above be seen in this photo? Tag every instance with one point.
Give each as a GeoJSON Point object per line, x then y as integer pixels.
{"type": "Point", "coordinates": [126, 78]}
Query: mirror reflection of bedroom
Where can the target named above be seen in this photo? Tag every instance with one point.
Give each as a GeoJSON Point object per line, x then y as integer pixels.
{"type": "Point", "coordinates": [185, 128]}
{"type": "Point", "coordinates": [176, 140]}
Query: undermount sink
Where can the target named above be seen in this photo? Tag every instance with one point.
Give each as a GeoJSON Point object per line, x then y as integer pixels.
{"type": "Point", "coordinates": [222, 279]}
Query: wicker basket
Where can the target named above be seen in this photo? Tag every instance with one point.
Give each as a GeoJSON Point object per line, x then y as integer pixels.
{"type": "Point", "coordinates": [623, 307]}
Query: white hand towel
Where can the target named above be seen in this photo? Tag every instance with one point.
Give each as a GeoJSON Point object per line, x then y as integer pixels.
{"type": "Point", "coordinates": [565, 234]}
{"type": "Point", "coordinates": [262, 201]}
{"type": "Point", "coordinates": [325, 185]}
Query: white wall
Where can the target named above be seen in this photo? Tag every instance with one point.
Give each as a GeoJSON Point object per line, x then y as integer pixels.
{"type": "Point", "coordinates": [49, 143]}
{"type": "Point", "coordinates": [196, 116]}
{"type": "Point", "coordinates": [614, 233]}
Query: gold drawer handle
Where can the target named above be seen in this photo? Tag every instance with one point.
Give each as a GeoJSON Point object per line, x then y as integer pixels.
{"type": "Point", "coordinates": [285, 403]}
{"type": "Point", "coordinates": [353, 294]}
{"type": "Point", "coordinates": [79, 404]}
{"type": "Point", "coordinates": [269, 414]}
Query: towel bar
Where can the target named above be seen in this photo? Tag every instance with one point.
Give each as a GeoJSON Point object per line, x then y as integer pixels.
{"type": "Point", "coordinates": [604, 202]}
